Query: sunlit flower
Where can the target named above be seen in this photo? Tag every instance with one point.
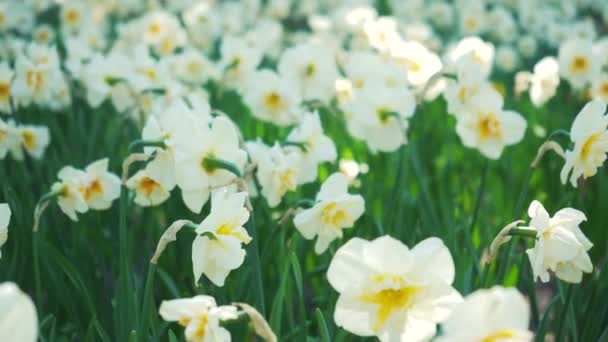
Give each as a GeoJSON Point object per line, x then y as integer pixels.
{"type": "Point", "coordinates": [380, 116]}
{"type": "Point", "coordinates": [420, 63]}
{"type": "Point", "coordinates": [239, 59]}
{"type": "Point", "coordinates": [272, 98]}
{"type": "Point", "coordinates": [200, 316]}
{"type": "Point", "coordinates": [216, 255]}
{"type": "Point", "coordinates": [18, 317]}
{"type": "Point", "coordinates": [381, 33]}
{"type": "Point", "coordinates": [10, 140]}
{"type": "Point", "coordinates": [311, 68]}
{"type": "Point", "coordinates": [599, 87]}
{"type": "Point", "coordinates": [577, 63]}
{"type": "Point", "coordinates": [472, 50]}
{"type": "Point", "coordinates": [6, 77]}
{"type": "Point", "coordinates": [317, 147]}
{"type": "Point", "coordinates": [589, 133]}
{"type": "Point", "coordinates": [335, 210]}
{"type": "Point", "coordinates": [70, 199]}
{"type": "Point", "coordinates": [5, 217]}
{"type": "Point", "coordinates": [102, 73]}
{"type": "Point", "coordinates": [98, 186]}
{"type": "Point", "coordinates": [34, 140]}
{"type": "Point", "coordinates": [74, 15]}
{"type": "Point", "coordinates": [487, 127]}
{"type": "Point", "coordinates": [489, 315]}
{"type": "Point", "coordinates": [278, 172]}
{"type": "Point", "coordinates": [153, 184]}
{"type": "Point", "coordinates": [194, 150]}
{"type": "Point", "coordinates": [392, 292]}
{"type": "Point", "coordinates": [561, 246]}
{"type": "Point", "coordinates": [544, 81]}
{"type": "Point", "coordinates": [37, 75]}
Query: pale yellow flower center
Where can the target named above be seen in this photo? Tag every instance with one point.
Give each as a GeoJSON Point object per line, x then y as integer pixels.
{"type": "Point", "coordinates": [227, 229]}
{"type": "Point", "coordinates": [5, 91]}
{"type": "Point", "coordinates": [311, 69]}
{"type": "Point", "coordinates": [580, 64]}
{"type": "Point", "coordinates": [72, 16]}
{"type": "Point", "coordinates": [287, 180]}
{"type": "Point", "coordinates": [604, 90]}
{"type": "Point", "coordinates": [488, 126]}
{"type": "Point", "coordinates": [274, 102]}
{"type": "Point", "coordinates": [34, 79]}
{"type": "Point", "coordinates": [154, 28]}
{"type": "Point", "coordinates": [29, 139]}
{"type": "Point", "coordinates": [499, 336]}
{"type": "Point", "coordinates": [147, 185]}
{"type": "Point", "coordinates": [588, 145]}
{"type": "Point", "coordinates": [331, 216]}
{"type": "Point", "coordinates": [389, 301]}
{"type": "Point", "coordinates": [93, 189]}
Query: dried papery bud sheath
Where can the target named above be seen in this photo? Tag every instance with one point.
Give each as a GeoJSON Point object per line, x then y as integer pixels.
{"type": "Point", "coordinates": [260, 325]}
{"type": "Point", "coordinates": [546, 147]}
{"type": "Point", "coordinates": [41, 206]}
{"type": "Point", "coordinates": [500, 239]}
{"type": "Point", "coordinates": [168, 236]}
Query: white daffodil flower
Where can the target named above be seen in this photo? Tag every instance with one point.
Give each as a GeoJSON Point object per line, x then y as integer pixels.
{"type": "Point", "coordinates": [544, 81]}
{"type": "Point", "coordinates": [102, 73]}
{"type": "Point", "coordinates": [335, 210]}
{"type": "Point", "coordinates": [577, 63]}
{"type": "Point", "coordinates": [589, 133]}
{"type": "Point", "coordinates": [599, 87]}
{"type": "Point", "coordinates": [34, 140]}
{"type": "Point", "coordinates": [311, 68]}
{"type": "Point", "coordinates": [99, 188]}
{"type": "Point", "coordinates": [379, 116]}
{"type": "Point", "coordinates": [487, 127]}
{"type": "Point", "coordinates": [37, 75]}
{"type": "Point", "coordinates": [18, 317]}
{"type": "Point", "coordinates": [5, 218]}
{"type": "Point", "coordinates": [278, 172]}
{"type": "Point", "coordinates": [271, 98]}
{"type": "Point", "coordinates": [472, 50]}
{"type": "Point", "coordinates": [196, 152]}
{"type": "Point", "coordinates": [497, 314]}
{"type": "Point", "coordinates": [392, 292]}
{"type": "Point", "coordinates": [316, 146]}
{"type": "Point", "coordinates": [70, 200]}
{"type": "Point", "coordinates": [560, 245]}
{"type": "Point", "coordinates": [419, 62]}
{"type": "Point", "coordinates": [6, 78]}
{"type": "Point", "coordinates": [153, 184]}
{"type": "Point", "coordinates": [239, 60]}
{"type": "Point", "coordinates": [10, 140]}
{"type": "Point", "coordinates": [200, 316]}
{"type": "Point", "coordinates": [362, 66]}
{"type": "Point", "coordinates": [217, 248]}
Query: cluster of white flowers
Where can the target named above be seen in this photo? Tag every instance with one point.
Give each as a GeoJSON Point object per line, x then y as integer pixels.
{"type": "Point", "coordinates": [17, 140]}
{"type": "Point", "coordinates": [77, 191]}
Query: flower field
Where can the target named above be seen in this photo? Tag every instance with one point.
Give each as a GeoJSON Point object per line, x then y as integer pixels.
{"type": "Point", "coordinates": [276, 170]}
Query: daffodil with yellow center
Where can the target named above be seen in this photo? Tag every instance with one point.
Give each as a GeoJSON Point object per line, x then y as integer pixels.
{"type": "Point", "coordinates": [217, 248]}
{"type": "Point", "coordinates": [489, 315]}
{"type": "Point", "coordinates": [590, 136]}
{"type": "Point", "coordinates": [390, 291]}
{"type": "Point", "coordinates": [334, 211]}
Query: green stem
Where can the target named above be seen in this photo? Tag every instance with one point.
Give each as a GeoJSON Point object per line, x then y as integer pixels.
{"type": "Point", "coordinates": [211, 164]}
{"type": "Point", "coordinates": [146, 143]}
{"type": "Point", "coordinates": [124, 301]}
{"type": "Point", "coordinates": [562, 318]}
{"type": "Point", "coordinates": [36, 246]}
{"type": "Point", "coordinates": [257, 267]}
{"type": "Point", "coordinates": [147, 304]}
{"type": "Point", "coordinates": [469, 231]}
{"type": "Point", "coordinates": [523, 193]}
{"type": "Point", "coordinates": [523, 232]}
